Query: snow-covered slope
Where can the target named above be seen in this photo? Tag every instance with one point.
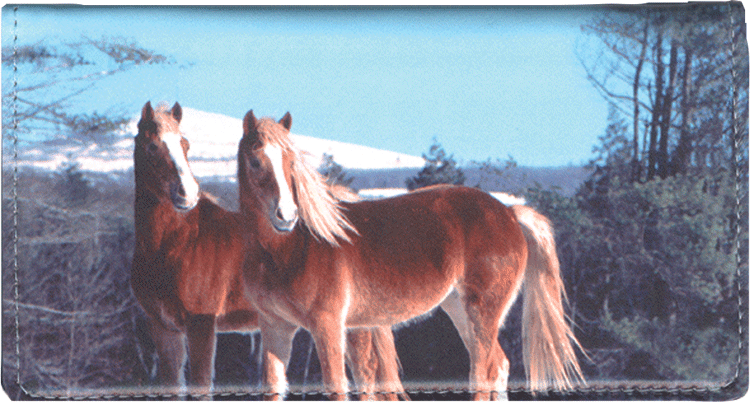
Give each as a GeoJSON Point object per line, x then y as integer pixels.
{"type": "Point", "coordinates": [213, 150]}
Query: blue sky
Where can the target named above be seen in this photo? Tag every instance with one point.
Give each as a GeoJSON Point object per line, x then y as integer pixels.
{"type": "Point", "coordinates": [485, 82]}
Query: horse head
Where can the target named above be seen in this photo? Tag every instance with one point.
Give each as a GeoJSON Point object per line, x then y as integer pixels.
{"type": "Point", "coordinates": [264, 166]}
{"type": "Point", "coordinates": [161, 157]}
{"type": "Point", "coordinates": [278, 185]}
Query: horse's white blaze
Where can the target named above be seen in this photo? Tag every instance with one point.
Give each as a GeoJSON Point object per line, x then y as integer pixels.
{"type": "Point", "coordinates": [189, 184]}
{"type": "Point", "coordinates": [286, 206]}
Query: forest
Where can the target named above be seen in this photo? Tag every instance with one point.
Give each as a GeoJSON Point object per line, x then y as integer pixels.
{"type": "Point", "coordinates": [653, 244]}
{"type": "Point", "coordinates": [655, 241]}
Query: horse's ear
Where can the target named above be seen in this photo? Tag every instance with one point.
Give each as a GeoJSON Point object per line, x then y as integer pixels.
{"type": "Point", "coordinates": [146, 124]}
{"type": "Point", "coordinates": [249, 123]}
{"type": "Point", "coordinates": [147, 113]}
{"type": "Point", "coordinates": [286, 121]}
{"type": "Point", "coordinates": [177, 111]}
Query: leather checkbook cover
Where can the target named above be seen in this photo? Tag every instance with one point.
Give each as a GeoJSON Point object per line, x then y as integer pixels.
{"type": "Point", "coordinates": [375, 203]}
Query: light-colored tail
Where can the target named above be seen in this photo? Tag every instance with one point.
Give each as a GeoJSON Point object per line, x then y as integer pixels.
{"type": "Point", "coordinates": [548, 341]}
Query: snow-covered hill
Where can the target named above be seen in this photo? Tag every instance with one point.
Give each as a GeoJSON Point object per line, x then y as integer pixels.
{"type": "Point", "coordinates": [213, 150]}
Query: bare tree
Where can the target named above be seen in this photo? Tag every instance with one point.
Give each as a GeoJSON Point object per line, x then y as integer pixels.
{"type": "Point", "coordinates": [658, 102]}
{"type": "Point", "coordinates": [668, 68]}
{"type": "Point", "coordinates": [635, 171]}
{"type": "Point", "coordinates": [55, 74]}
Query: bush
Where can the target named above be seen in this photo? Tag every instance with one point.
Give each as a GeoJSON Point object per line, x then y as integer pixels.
{"type": "Point", "coordinates": [653, 266]}
{"type": "Point", "coordinates": [74, 187]}
{"type": "Point", "coordinates": [76, 313]}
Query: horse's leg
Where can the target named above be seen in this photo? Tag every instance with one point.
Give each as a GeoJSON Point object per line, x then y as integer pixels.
{"type": "Point", "coordinates": [389, 380]}
{"type": "Point", "coordinates": [201, 337]}
{"type": "Point", "coordinates": [478, 326]}
{"type": "Point", "coordinates": [170, 348]}
{"type": "Point", "coordinates": [276, 343]}
{"type": "Point", "coordinates": [329, 336]}
{"type": "Point", "coordinates": [362, 361]}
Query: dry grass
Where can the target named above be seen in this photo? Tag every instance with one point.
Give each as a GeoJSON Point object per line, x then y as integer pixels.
{"type": "Point", "coordinates": [76, 315]}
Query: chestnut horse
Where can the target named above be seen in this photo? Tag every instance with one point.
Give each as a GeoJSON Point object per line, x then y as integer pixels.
{"type": "Point", "coordinates": [329, 265]}
{"type": "Point", "coordinates": [187, 267]}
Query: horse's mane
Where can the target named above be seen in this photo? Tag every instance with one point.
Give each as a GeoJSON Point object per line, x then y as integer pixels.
{"type": "Point", "coordinates": [318, 207]}
{"type": "Point", "coordinates": [209, 197]}
{"type": "Point", "coordinates": [343, 193]}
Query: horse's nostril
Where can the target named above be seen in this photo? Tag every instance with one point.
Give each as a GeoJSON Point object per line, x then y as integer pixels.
{"type": "Point", "coordinates": [286, 217]}
{"type": "Point", "coordinates": [181, 191]}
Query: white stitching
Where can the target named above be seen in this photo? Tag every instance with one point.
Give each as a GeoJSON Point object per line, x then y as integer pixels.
{"type": "Point", "coordinates": [15, 198]}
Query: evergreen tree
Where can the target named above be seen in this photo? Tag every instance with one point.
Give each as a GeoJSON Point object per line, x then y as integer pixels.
{"type": "Point", "coordinates": [440, 168]}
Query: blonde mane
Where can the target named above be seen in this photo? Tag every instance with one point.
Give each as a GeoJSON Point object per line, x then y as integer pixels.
{"type": "Point", "coordinates": [318, 207]}
{"type": "Point", "coordinates": [343, 193]}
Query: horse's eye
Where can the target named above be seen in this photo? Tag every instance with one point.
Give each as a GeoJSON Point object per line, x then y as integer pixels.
{"type": "Point", "coordinates": [257, 145]}
{"type": "Point", "coordinates": [152, 148]}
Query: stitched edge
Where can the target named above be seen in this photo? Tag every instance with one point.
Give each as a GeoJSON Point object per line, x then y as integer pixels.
{"type": "Point", "coordinates": [15, 199]}
{"type": "Point", "coordinates": [678, 390]}
{"type": "Point", "coordinates": [737, 178]}
{"type": "Point", "coordinates": [588, 391]}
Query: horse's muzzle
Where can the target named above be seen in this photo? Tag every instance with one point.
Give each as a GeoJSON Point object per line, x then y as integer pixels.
{"type": "Point", "coordinates": [284, 223]}
{"type": "Point", "coordinates": [181, 201]}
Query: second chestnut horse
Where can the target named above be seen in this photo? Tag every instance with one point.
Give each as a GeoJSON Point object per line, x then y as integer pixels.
{"type": "Point", "coordinates": [329, 265]}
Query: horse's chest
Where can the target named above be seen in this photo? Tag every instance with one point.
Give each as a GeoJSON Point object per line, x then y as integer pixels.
{"type": "Point", "coordinates": [206, 283]}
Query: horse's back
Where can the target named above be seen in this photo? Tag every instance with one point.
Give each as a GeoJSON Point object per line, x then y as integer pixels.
{"type": "Point", "coordinates": [457, 210]}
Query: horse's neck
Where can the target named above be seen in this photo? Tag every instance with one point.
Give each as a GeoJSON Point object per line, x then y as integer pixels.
{"type": "Point", "coordinates": [279, 260]}
{"type": "Point", "coordinates": [285, 249]}
{"type": "Point", "coordinates": [276, 246]}
{"type": "Point", "coordinates": [156, 219]}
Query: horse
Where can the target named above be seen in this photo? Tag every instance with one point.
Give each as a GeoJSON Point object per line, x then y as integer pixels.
{"type": "Point", "coordinates": [187, 268]}
{"type": "Point", "coordinates": [329, 265]}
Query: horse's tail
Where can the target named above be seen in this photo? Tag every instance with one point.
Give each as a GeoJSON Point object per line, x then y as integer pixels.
{"type": "Point", "coordinates": [389, 366]}
{"type": "Point", "coordinates": [548, 341]}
